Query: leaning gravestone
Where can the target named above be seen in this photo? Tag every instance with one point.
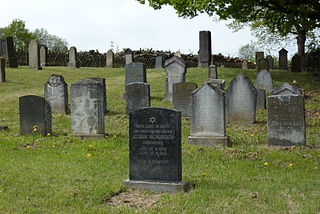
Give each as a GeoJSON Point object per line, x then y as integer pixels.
{"type": "Point", "coordinates": [73, 58]}
{"type": "Point", "coordinates": [204, 56]}
{"type": "Point", "coordinates": [263, 64]}
{"type": "Point", "coordinates": [296, 64]}
{"type": "Point", "coordinates": [213, 73]}
{"type": "Point", "coordinates": [181, 97]}
{"type": "Point", "coordinates": [43, 55]}
{"type": "Point", "coordinates": [286, 89]}
{"type": "Point", "coordinates": [155, 150]}
{"type": "Point", "coordinates": [283, 59]}
{"type": "Point", "coordinates": [87, 113]}
{"type": "Point", "coordinates": [128, 56]}
{"type": "Point", "coordinates": [264, 80]}
{"type": "Point", "coordinates": [159, 62]}
{"type": "Point", "coordinates": [270, 62]}
{"type": "Point", "coordinates": [261, 98]}
{"type": "Point", "coordinates": [175, 73]}
{"type": "Point", "coordinates": [56, 94]}
{"type": "Point", "coordinates": [241, 101]}
{"type": "Point", "coordinates": [8, 51]}
{"type": "Point", "coordinates": [110, 59]}
{"type": "Point", "coordinates": [208, 124]}
{"type": "Point", "coordinates": [135, 72]}
{"type": "Point", "coordinates": [137, 96]}
{"type": "Point", "coordinates": [2, 69]}
{"type": "Point", "coordinates": [35, 115]}
{"type": "Point", "coordinates": [34, 55]}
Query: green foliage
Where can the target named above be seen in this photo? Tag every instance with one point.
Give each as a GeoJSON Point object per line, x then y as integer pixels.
{"type": "Point", "coordinates": [248, 51]}
{"type": "Point", "coordinates": [52, 42]}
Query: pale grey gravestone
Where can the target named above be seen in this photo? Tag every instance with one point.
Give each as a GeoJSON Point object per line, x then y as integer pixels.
{"type": "Point", "coordinates": [43, 55]}
{"type": "Point", "coordinates": [286, 120]}
{"type": "Point", "coordinates": [182, 97]}
{"type": "Point", "coordinates": [56, 94]}
{"type": "Point", "coordinates": [241, 101]}
{"type": "Point", "coordinates": [87, 116]}
{"type": "Point", "coordinates": [8, 51]}
{"type": "Point", "coordinates": [135, 72]}
{"type": "Point", "coordinates": [175, 72]}
{"type": "Point", "coordinates": [213, 73]}
{"type": "Point", "coordinates": [244, 64]}
{"type": "Point", "coordinates": [103, 93]}
{"type": "Point", "coordinates": [270, 62]}
{"type": "Point", "coordinates": [283, 59]}
{"type": "Point", "coordinates": [2, 69]}
{"type": "Point", "coordinates": [34, 55]}
{"type": "Point", "coordinates": [259, 55]}
{"type": "Point", "coordinates": [73, 58]}
{"type": "Point", "coordinates": [261, 98]}
{"type": "Point", "coordinates": [35, 115]}
{"type": "Point", "coordinates": [264, 80]}
{"type": "Point", "coordinates": [218, 83]}
{"type": "Point", "coordinates": [137, 96]}
{"type": "Point", "coordinates": [159, 62]}
{"type": "Point", "coordinates": [208, 123]}
{"type": "Point", "coordinates": [128, 56]}
{"type": "Point", "coordinates": [204, 56]}
{"type": "Point", "coordinates": [296, 64]}
{"type": "Point", "coordinates": [286, 89]}
{"type": "Point", "coordinates": [262, 64]}
{"type": "Point", "coordinates": [110, 59]}
{"type": "Point", "coordinates": [155, 157]}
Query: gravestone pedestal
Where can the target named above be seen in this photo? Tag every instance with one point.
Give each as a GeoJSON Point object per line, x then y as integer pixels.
{"type": "Point", "coordinates": [158, 186]}
{"type": "Point", "coordinates": [223, 141]}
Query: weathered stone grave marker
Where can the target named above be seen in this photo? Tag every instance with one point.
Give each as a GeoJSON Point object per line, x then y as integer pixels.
{"type": "Point", "coordinates": [135, 72]}
{"type": "Point", "coordinates": [262, 64]}
{"type": "Point", "coordinates": [218, 83]}
{"type": "Point", "coordinates": [261, 98]}
{"type": "Point", "coordinates": [2, 69]}
{"type": "Point", "coordinates": [244, 64]}
{"type": "Point", "coordinates": [101, 81]}
{"type": "Point", "coordinates": [137, 96]}
{"type": "Point", "coordinates": [204, 56]}
{"type": "Point", "coordinates": [8, 51]}
{"type": "Point", "coordinates": [270, 62]}
{"type": "Point", "coordinates": [259, 55]}
{"type": "Point", "coordinates": [283, 59]}
{"type": "Point", "coordinates": [34, 55]}
{"type": "Point", "coordinates": [73, 58]}
{"type": "Point", "coordinates": [286, 89]}
{"type": "Point", "coordinates": [128, 56]}
{"type": "Point", "coordinates": [213, 73]}
{"type": "Point", "coordinates": [264, 80]}
{"type": "Point", "coordinates": [296, 63]}
{"type": "Point", "coordinates": [110, 59]}
{"type": "Point", "coordinates": [43, 55]}
{"type": "Point", "coordinates": [182, 97]}
{"type": "Point", "coordinates": [159, 62]}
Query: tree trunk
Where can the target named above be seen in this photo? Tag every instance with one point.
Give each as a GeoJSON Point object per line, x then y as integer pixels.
{"type": "Point", "coordinates": [301, 39]}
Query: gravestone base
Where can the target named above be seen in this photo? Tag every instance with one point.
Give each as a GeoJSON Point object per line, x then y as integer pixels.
{"type": "Point", "coordinates": [212, 141]}
{"type": "Point", "coordinates": [203, 64]}
{"type": "Point", "coordinates": [85, 136]}
{"type": "Point", "coordinates": [158, 186]}
{"type": "Point", "coordinates": [5, 128]}
{"type": "Point", "coordinates": [38, 68]}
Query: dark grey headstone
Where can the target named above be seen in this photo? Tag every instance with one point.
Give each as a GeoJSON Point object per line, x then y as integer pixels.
{"type": "Point", "coordinates": [264, 80]}
{"type": "Point", "coordinates": [135, 72]}
{"type": "Point", "coordinates": [73, 58]}
{"type": "Point", "coordinates": [128, 56]}
{"type": "Point", "coordinates": [34, 55]}
{"type": "Point", "coordinates": [259, 55]}
{"type": "Point", "coordinates": [56, 94]}
{"type": "Point", "coordinates": [35, 115]}
{"type": "Point", "coordinates": [283, 59]}
{"type": "Point", "coordinates": [110, 59]}
{"type": "Point", "coordinates": [262, 64]}
{"type": "Point", "coordinates": [204, 57]}
{"type": "Point", "coordinates": [8, 51]}
{"type": "Point", "coordinates": [261, 98]}
{"type": "Point", "coordinates": [296, 64]}
{"type": "Point", "coordinates": [270, 62]}
{"type": "Point", "coordinates": [43, 55]}
{"type": "Point", "coordinates": [286, 120]}
{"type": "Point", "coordinates": [2, 69]}
{"type": "Point", "coordinates": [181, 97]}
{"type": "Point", "coordinates": [213, 73]}
{"type": "Point", "coordinates": [137, 96]}
{"type": "Point", "coordinates": [286, 89]}
{"type": "Point", "coordinates": [159, 62]}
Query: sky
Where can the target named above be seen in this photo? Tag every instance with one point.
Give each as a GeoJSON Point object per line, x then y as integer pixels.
{"type": "Point", "coordinates": [94, 24]}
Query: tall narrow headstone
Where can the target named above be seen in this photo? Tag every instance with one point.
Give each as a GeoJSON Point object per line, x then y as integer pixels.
{"type": "Point", "coordinates": [296, 63]}
{"type": "Point", "coordinates": [110, 59]}
{"type": "Point", "coordinates": [8, 51]}
{"type": "Point", "coordinates": [181, 97]}
{"type": "Point", "coordinates": [175, 73]}
{"type": "Point", "coordinates": [34, 55]}
{"type": "Point", "coordinates": [137, 96]}
{"type": "Point", "coordinates": [264, 80]}
{"type": "Point", "coordinates": [56, 94]}
{"type": "Point", "coordinates": [2, 69]}
{"type": "Point", "coordinates": [43, 55]}
{"type": "Point", "coordinates": [208, 124]}
{"type": "Point", "coordinates": [213, 73]}
{"type": "Point", "coordinates": [283, 59]}
{"type": "Point", "coordinates": [204, 57]}
{"type": "Point", "coordinates": [286, 89]}
{"type": "Point", "coordinates": [35, 115]}
{"type": "Point", "coordinates": [128, 56]}
{"type": "Point", "coordinates": [159, 62]}
{"type": "Point", "coordinates": [73, 58]}
{"type": "Point", "coordinates": [135, 72]}
{"type": "Point", "coordinates": [259, 55]}
{"type": "Point", "coordinates": [241, 101]}
{"type": "Point", "coordinates": [155, 150]}
{"type": "Point", "coordinates": [270, 62]}
{"type": "Point", "coordinates": [262, 64]}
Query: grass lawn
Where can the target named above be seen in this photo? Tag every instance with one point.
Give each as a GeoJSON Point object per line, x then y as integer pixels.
{"type": "Point", "coordinates": [63, 174]}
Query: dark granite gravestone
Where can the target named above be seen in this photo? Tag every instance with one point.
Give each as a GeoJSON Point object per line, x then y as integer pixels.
{"type": "Point", "coordinates": [213, 73]}
{"type": "Point", "coordinates": [283, 59]}
{"type": "Point", "coordinates": [8, 51]}
{"type": "Point", "coordinates": [181, 97]}
{"type": "Point", "coordinates": [128, 56]}
{"type": "Point", "coordinates": [270, 62]}
{"type": "Point", "coordinates": [155, 150]}
{"type": "Point", "coordinates": [35, 115]}
{"type": "Point", "coordinates": [262, 64]}
{"type": "Point", "coordinates": [43, 55]}
{"type": "Point", "coordinates": [261, 98]}
{"type": "Point", "coordinates": [286, 89]}
{"type": "Point", "coordinates": [73, 58]}
{"type": "Point", "coordinates": [204, 56]}
{"type": "Point", "coordinates": [135, 72]}
{"type": "Point", "coordinates": [137, 96]}
{"type": "Point", "coordinates": [34, 55]}
{"type": "Point", "coordinates": [208, 124]}
{"type": "Point", "coordinates": [109, 59]}
{"type": "Point", "coordinates": [259, 55]}
{"type": "Point", "coordinates": [2, 69]}
{"type": "Point", "coordinates": [296, 64]}
{"type": "Point", "coordinates": [56, 94]}
{"type": "Point", "coordinates": [159, 62]}
{"type": "Point", "coordinates": [264, 80]}
{"type": "Point", "coordinates": [286, 120]}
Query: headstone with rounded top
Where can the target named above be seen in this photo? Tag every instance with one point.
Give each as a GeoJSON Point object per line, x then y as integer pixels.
{"type": "Point", "coordinates": [110, 59]}
{"type": "Point", "coordinates": [270, 62]}
{"type": "Point", "coordinates": [128, 56]}
{"type": "Point", "coordinates": [73, 58]}
{"type": "Point", "coordinates": [213, 73]}
{"type": "Point", "coordinates": [264, 80]}
{"type": "Point", "coordinates": [296, 64]}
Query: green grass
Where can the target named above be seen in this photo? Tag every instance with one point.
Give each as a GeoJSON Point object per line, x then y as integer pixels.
{"type": "Point", "coordinates": [54, 174]}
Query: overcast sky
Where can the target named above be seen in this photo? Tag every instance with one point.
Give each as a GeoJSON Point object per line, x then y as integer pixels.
{"type": "Point", "coordinates": [93, 24]}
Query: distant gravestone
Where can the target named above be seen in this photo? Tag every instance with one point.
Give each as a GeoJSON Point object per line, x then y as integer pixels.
{"type": "Point", "coordinates": [2, 69]}
{"type": "Point", "coordinates": [181, 97]}
{"type": "Point", "coordinates": [175, 73]}
{"type": "Point", "coordinates": [296, 64]}
{"type": "Point", "coordinates": [263, 64]}
{"type": "Point", "coordinates": [204, 57]}
{"type": "Point", "coordinates": [218, 83]}
{"type": "Point", "coordinates": [259, 55]}
{"type": "Point", "coordinates": [73, 58]}
{"type": "Point", "coordinates": [159, 62]}
{"type": "Point", "coordinates": [56, 94]}
{"type": "Point", "coordinates": [283, 59]}
{"type": "Point", "coordinates": [128, 56]}
{"type": "Point", "coordinates": [244, 64]}
{"type": "Point", "coordinates": [34, 55]}
{"type": "Point", "coordinates": [110, 59]}
{"type": "Point", "coordinates": [208, 124]}
{"type": "Point", "coordinates": [264, 80]}
{"type": "Point", "coordinates": [8, 51]}
{"type": "Point", "coordinates": [155, 150]}
{"type": "Point", "coordinates": [135, 72]}
{"type": "Point", "coordinates": [43, 55]}
{"type": "Point", "coordinates": [87, 113]}
{"type": "Point", "coordinates": [213, 73]}
{"type": "Point", "coordinates": [137, 96]}
{"type": "Point", "coordinates": [241, 101]}
{"type": "Point", "coordinates": [286, 120]}
{"type": "Point", "coordinates": [286, 89]}
{"type": "Point", "coordinates": [270, 62]}
{"type": "Point", "coordinates": [35, 115]}
{"type": "Point", "coordinates": [261, 98]}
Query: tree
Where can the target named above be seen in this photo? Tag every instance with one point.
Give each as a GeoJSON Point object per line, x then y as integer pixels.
{"type": "Point", "coordinates": [248, 51]}
{"type": "Point", "coordinates": [52, 42]}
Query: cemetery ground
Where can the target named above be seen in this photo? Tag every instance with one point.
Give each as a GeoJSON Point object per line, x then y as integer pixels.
{"type": "Point", "coordinates": [63, 174]}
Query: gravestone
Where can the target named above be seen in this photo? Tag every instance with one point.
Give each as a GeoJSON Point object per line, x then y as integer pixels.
{"type": "Point", "coordinates": [110, 59]}
{"type": "Point", "coordinates": [283, 59]}
{"type": "Point", "coordinates": [43, 55]}
{"type": "Point", "coordinates": [204, 56]}
{"type": "Point", "coordinates": [261, 98]}
{"type": "Point", "coordinates": [8, 51]}
{"type": "Point", "coordinates": [286, 89]}
{"type": "Point", "coordinates": [213, 73]}
{"type": "Point", "coordinates": [87, 113]}
{"type": "Point", "coordinates": [2, 69]}
{"type": "Point", "coordinates": [135, 72]}
{"type": "Point", "coordinates": [73, 58]}
{"type": "Point", "coordinates": [244, 64]}
{"type": "Point", "coordinates": [159, 62]}
{"type": "Point", "coordinates": [102, 82]}
{"type": "Point", "coordinates": [264, 80]}
{"type": "Point", "coordinates": [208, 123]}
{"type": "Point", "coordinates": [286, 120]}
{"type": "Point", "coordinates": [56, 94]}
{"type": "Point", "coordinates": [270, 62]}
{"type": "Point", "coordinates": [155, 150]}
{"type": "Point", "coordinates": [137, 96]}
{"type": "Point", "coordinates": [128, 56]}
{"type": "Point", "coordinates": [218, 83]}
{"type": "Point", "coordinates": [262, 64]}
{"type": "Point", "coordinates": [34, 55]}
{"type": "Point", "coordinates": [241, 101]}
{"type": "Point", "coordinates": [35, 115]}
{"type": "Point", "coordinates": [181, 97]}
{"type": "Point", "coordinates": [175, 72]}
{"type": "Point", "coordinates": [296, 64]}
{"type": "Point", "coordinates": [259, 55]}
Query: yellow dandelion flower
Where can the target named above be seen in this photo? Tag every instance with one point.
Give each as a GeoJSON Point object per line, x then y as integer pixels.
{"type": "Point", "coordinates": [203, 174]}
{"type": "Point", "coordinates": [265, 163]}
{"type": "Point", "coordinates": [89, 155]}
{"type": "Point", "coordinates": [28, 147]}
{"type": "Point", "coordinates": [48, 134]}
{"type": "Point", "coordinates": [251, 135]}
{"type": "Point", "coordinates": [34, 129]}
{"type": "Point", "coordinates": [290, 164]}
{"type": "Point", "coordinates": [90, 146]}
{"type": "Point", "coordinates": [114, 136]}
{"type": "Point", "coordinates": [244, 132]}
